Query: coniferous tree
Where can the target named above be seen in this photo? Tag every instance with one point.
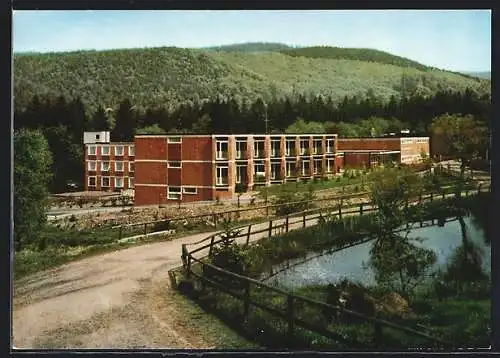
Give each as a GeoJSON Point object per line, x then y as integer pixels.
{"type": "Point", "coordinates": [124, 129]}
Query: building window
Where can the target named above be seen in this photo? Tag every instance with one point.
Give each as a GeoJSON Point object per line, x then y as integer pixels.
{"type": "Point", "coordinates": [105, 182]}
{"type": "Point", "coordinates": [176, 165]}
{"type": "Point", "coordinates": [305, 168]}
{"type": "Point", "coordinates": [330, 164]}
{"type": "Point", "coordinates": [317, 166]}
{"type": "Point", "coordinates": [92, 181]}
{"type": "Point", "coordinates": [189, 190]}
{"type": "Point", "coordinates": [241, 149]}
{"type": "Point", "coordinates": [92, 150]}
{"type": "Point", "coordinates": [97, 136]}
{"type": "Point", "coordinates": [222, 175]}
{"type": "Point", "coordinates": [92, 166]}
{"type": "Point", "coordinates": [131, 167]}
{"type": "Point", "coordinates": [304, 146]}
{"type": "Point", "coordinates": [318, 146]}
{"type": "Point", "coordinates": [221, 152]}
{"type": "Point", "coordinates": [275, 171]}
{"type": "Point", "coordinates": [119, 166]}
{"type": "Point", "coordinates": [118, 182]}
{"type": "Point", "coordinates": [290, 169]}
{"type": "Point", "coordinates": [329, 145]}
{"type": "Point", "coordinates": [119, 150]}
{"type": "Point", "coordinates": [105, 150]}
{"type": "Point", "coordinates": [131, 183]}
{"type": "Point", "coordinates": [259, 169]}
{"type": "Point", "coordinates": [258, 149]}
{"type": "Point", "coordinates": [290, 147]}
{"type": "Point", "coordinates": [174, 139]}
{"type": "Point", "coordinates": [275, 148]}
{"type": "Point", "coordinates": [105, 166]}
{"type": "Point", "coordinates": [174, 193]}
{"type": "Point", "coordinates": [240, 173]}
{"type": "Point", "coordinates": [131, 150]}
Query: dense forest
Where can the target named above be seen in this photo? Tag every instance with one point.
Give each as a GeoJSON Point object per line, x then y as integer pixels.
{"type": "Point", "coordinates": [63, 122]}
{"type": "Point", "coordinates": [170, 77]}
{"type": "Point", "coordinates": [230, 89]}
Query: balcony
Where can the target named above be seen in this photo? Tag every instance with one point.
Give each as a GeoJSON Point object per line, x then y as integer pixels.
{"type": "Point", "coordinates": [291, 152]}
{"type": "Point", "coordinates": [259, 178]}
{"type": "Point", "coordinates": [241, 154]}
{"type": "Point", "coordinates": [275, 152]}
{"type": "Point", "coordinates": [317, 150]}
{"type": "Point", "coordinates": [222, 181]}
{"type": "Point", "coordinates": [221, 155]}
{"type": "Point", "coordinates": [258, 153]}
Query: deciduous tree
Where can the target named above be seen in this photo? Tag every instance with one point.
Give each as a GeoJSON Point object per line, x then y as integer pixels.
{"type": "Point", "coordinates": [32, 161]}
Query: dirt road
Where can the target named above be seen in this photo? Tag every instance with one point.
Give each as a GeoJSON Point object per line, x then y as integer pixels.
{"type": "Point", "coordinates": [113, 300]}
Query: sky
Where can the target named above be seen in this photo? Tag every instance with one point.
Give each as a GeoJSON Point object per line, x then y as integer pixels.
{"type": "Point", "coordinates": [456, 40]}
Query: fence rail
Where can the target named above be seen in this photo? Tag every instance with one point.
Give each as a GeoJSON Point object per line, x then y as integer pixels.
{"type": "Point", "coordinates": [285, 224]}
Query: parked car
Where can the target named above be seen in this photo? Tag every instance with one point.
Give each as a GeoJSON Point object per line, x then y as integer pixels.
{"type": "Point", "coordinates": [72, 185]}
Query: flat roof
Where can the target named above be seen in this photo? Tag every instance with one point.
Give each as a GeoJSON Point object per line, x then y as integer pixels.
{"type": "Point", "coordinates": [238, 135]}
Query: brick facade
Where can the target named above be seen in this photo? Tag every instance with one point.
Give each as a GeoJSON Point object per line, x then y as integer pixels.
{"type": "Point", "coordinates": [168, 168]}
{"type": "Point", "coordinates": [207, 167]}
{"type": "Point", "coordinates": [109, 166]}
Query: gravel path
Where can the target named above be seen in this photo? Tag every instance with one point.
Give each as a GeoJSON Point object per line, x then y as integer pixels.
{"type": "Point", "coordinates": [113, 300]}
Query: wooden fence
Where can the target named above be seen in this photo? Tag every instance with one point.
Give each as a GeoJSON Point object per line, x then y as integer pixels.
{"type": "Point", "coordinates": [217, 217]}
{"type": "Point", "coordinates": [204, 249]}
{"type": "Point", "coordinates": [151, 227]}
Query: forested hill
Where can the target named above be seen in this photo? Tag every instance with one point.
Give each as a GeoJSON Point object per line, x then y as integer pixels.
{"type": "Point", "coordinates": [171, 76]}
{"type": "Point", "coordinates": [356, 54]}
{"type": "Point", "coordinates": [250, 47]}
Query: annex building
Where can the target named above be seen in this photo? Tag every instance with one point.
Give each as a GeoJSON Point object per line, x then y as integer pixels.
{"type": "Point", "coordinates": [170, 168]}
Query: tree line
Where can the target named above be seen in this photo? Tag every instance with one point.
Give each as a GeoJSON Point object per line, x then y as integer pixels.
{"type": "Point", "coordinates": [63, 122]}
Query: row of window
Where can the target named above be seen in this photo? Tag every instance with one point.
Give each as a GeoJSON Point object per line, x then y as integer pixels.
{"type": "Point", "coordinates": [106, 182]}
{"type": "Point", "coordinates": [105, 166]}
{"type": "Point", "coordinates": [106, 150]}
{"type": "Point", "coordinates": [259, 170]}
{"type": "Point", "coordinates": [175, 192]}
{"type": "Point", "coordinates": [414, 140]}
{"type": "Point", "coordinates": [258, 148]}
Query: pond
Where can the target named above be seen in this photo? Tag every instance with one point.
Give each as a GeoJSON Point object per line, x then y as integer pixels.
{"type": "Point", "coordinates": [321, 269]}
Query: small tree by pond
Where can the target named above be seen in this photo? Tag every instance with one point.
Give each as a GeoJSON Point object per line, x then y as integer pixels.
{"type": "Point", "coordinates": [398, 264]}
{"type": "Point", "coordinates": [227, 255]}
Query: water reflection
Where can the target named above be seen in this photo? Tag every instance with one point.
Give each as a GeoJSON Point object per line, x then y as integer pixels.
{"type": "Point", "coordinates": [447, 242]}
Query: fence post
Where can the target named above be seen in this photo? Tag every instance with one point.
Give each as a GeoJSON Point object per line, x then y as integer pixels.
{"type": "Point", "coordinates": [270, 228]}
{"type": "Point", "coordinates": [215, 220]}
{"type": "Point", "coordinates": [145, 229]}
{"type": "Point", "coordinates": [120, 233]}
{"type": "Point", "coordinates": [246, 306]}
{"type": "Point", "coordinates": [479, 188]}
{"type": "Point", "coordinates": [444, 195]}
{"type": "Point", "coordinates": [184, 255]}
{"type": "Point", "coordinates": [211, 246]}
{"type": "Point", "coordinates": [340, 211]}
{"type": "Point", "coordinates": [248, 233]}
{"type": "Point", "coordinates": [188, 266]}
{"type": "Point", "coordinates": [304, 220]}
{"type": "Point", "coordinates": [377, 333]}
{"type": "Point", "coordinates": [286, 223]}
{"type": "Point", "coordinates": [291, 320]}
{"type": "Point", "coordinates": [360, 209]}
{"type": "Point", "coordinates": [432, 196]}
